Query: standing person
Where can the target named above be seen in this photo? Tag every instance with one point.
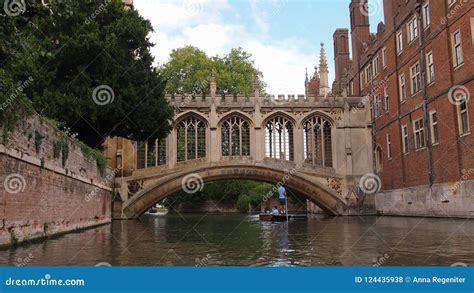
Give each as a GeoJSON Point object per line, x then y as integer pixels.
{"type": "Point", "coordinates": [282, 198]}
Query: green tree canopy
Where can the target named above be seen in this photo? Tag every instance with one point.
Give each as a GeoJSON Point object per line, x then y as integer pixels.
{"type": "Point", "coordinates": [91, 66]}
{"type": "Point", "coordinates": [189, 72]}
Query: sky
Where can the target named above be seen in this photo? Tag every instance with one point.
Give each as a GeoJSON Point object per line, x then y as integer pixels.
{"type": "Point", "coordinates": [283, 36]}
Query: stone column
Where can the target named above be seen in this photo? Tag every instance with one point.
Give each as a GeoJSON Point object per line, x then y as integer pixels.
{"type": "Point", "coordinates": [172, 149]}
{"type": "Point", "coordinates": [298, 146]}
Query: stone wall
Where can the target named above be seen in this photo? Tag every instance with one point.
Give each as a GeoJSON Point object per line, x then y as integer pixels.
{"type": "Point", "coordinates": [442, 200]}
{"type": "Point", "coordinates": [40, 193]}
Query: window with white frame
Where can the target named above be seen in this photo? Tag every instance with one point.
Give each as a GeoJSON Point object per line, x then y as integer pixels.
{"type": "Point", "coordinates": [386, 101]}
{"type": "Point", "coordinates": [375, 65]}
{"type": "Point", "coordinates": [405, 141]}
{"type": "Point", "coordinates": [426, 14]}
{"type": "Point", "coordinates": [377, 106]}
{"type": "Point", "coordinates": [434, 131]}
{"type": "Point", "coordinates": [457, 49]}
{"type": "Point", "coordinates": [419, 131]}
{"type": "Point", "coordinates": [384, 57]}
{"type": "Point", "coordinates": [351, 87]}
{"type": "Point", "coordinates": [430, 70]}
{"type": "Point", "coordinates": [463, 116]}
{"type": "Point", "coordinates": [412, 28]}
{"type": "Point", "coordinates": [403, 87]}
{"type": "Point", "coordinates": [415, 77]}
{"type": "Point", "coordinates": [399, 42]}
{"type": "Point", "coordinates": [389, 147]}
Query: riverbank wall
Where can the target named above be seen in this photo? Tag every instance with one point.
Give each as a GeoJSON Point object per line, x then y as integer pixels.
{"type": "Point", "coordinates": [453, 200]}
{"type": "Point", "coordinates": [48, 184]}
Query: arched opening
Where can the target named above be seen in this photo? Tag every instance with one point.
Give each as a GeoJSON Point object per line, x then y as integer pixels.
{"type": "Point", "coordinates": [279, 139]}
{"type": "Point", "coordinates": [235, 137]}
{"type": "Point", "coordinates": [317, 143]}
{"type": "Point", "coordinates": [378, 159]}
{"type": "Point", "coordinates": [321, 195]}
{"type": "Point", "coordinates": [191, 139]}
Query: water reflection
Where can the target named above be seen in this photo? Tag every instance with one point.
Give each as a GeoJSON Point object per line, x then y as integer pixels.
{"type": "Point", "coordinates": [217, 240]}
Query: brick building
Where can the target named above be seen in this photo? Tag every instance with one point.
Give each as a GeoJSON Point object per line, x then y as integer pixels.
{"type": "Point", "coordinates": [417, 71]}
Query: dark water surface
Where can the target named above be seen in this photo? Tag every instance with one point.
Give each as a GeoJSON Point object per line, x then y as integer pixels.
{"type": "Point", "coordinates": [190, 240]}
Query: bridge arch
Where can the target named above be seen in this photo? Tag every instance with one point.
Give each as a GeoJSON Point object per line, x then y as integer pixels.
{"type": "Point", "coordinates": [163, 187]}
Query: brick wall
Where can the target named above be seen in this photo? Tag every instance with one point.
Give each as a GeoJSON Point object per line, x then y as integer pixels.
{"type": "Point", "coordinates": [39, 196]}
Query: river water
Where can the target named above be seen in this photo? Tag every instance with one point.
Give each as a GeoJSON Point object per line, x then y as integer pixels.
{"type": "Point", "coordinates": [242, 240]}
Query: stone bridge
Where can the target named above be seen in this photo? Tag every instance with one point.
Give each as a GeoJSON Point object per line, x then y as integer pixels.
{"type": "Point", "coordinates": [318, 146]}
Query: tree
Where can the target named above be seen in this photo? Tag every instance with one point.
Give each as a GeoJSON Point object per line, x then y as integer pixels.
{"type": "Point", "coordinates": [189, 70]}
{"type": "Point", "coordinates": [93, 70]}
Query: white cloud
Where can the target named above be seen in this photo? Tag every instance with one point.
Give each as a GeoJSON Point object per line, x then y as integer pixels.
{"type": "Point", "coordinates": [201, 23]}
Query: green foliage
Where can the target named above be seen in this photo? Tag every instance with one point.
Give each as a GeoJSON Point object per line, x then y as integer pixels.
{"type": "Point", "coordinates": [240, 192]}
{"type": "Point", "coordinates": [38, 140]}
{"type": "Point", "coordinates": [189, 72]}
{"type": "Point", "coordinates": [57, 146]}
{"type": "Point", "coordinates": [68, 50]}
{"type": "Point", "coordinates": [95, 155]}
{"type": "Point", "coordinates": [64, 153]}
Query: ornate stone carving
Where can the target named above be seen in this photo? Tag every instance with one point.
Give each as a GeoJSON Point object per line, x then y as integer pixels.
{"type": "Point", "coordinates": [336, 184]}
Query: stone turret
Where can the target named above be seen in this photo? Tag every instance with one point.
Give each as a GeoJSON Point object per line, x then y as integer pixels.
{"type": "Point", "coordinates": [324, 88]}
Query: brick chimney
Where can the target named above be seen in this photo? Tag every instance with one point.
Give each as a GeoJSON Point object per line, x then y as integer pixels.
{"type": "Point", "coordinates": [360, 34]}
{"type": "Point", "coordinates": [341, 52]}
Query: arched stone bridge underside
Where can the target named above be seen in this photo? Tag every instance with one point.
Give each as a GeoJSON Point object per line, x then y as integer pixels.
{"type": "Point", "coordinates": [309, 183]}
{"type": "Point", "coordinates": [318, 146]}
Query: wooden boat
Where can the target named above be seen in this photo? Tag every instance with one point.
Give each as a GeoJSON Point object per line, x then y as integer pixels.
{"type": "Point", "coordinates": [281, 217]}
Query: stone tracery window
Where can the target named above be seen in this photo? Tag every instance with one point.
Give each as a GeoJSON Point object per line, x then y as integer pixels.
{"type": "Point", "coordinates": [235, 139]}
{"type": "Point", "coordinates": [151, 154]}
{"type": "Point", "coordinates": [318, 142]}
{"type": "Point", "coordinates": [279, 139]}
{"type": "Point", "coordinates": [191, 139]}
